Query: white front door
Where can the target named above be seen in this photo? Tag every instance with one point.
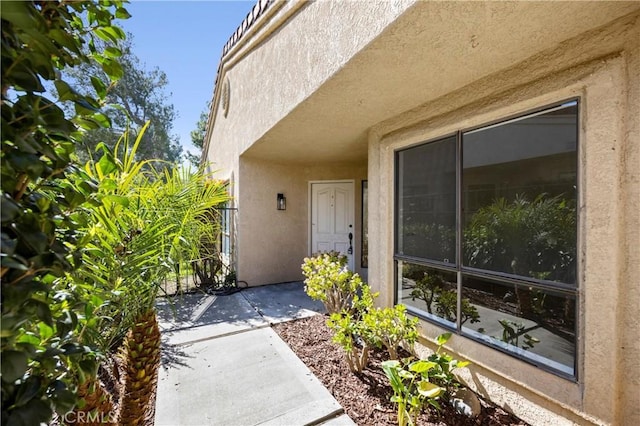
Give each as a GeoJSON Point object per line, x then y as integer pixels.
{"type": "Point", "coordinates": [332, 218]}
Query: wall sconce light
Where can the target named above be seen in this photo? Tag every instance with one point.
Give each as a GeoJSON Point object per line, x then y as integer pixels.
{"type": "Point", "coordinates": [282, 202]}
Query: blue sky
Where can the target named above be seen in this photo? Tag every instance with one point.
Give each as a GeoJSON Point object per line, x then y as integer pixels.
{"type": "Point", "coordinates": [184, 39]}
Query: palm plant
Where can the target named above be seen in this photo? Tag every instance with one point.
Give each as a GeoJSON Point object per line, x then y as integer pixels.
{"type": "Point", "coordinates": [144, 222]}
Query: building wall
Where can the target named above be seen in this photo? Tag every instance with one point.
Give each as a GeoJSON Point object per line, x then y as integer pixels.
{"type": "Point", "coordinates": [606, 77]}
{"type": "Point", "coordinates": [268, 77]}
{"type": "Point", "coordinates": [349, 49]}
{"type": "Point", "coordinates": [272, 244]}
{"type": "Point", "coordinates": [628, 249]}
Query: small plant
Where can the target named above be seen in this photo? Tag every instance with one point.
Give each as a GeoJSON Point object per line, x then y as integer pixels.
{"type": "Point", "coordinates": [411, 388]}
{"type": "Point", "coordinates": [352, 336]}
{"type": "Point", "coordinates": [422, 382]}
{"type": "Point", "coordinates": [446, 307]}
{"type": "Point", "coordinates": [390, 327]}
{"type": "Point", "coordinates": [358, 326]}
{"type": "Point", "coordinates": [427, 288]}
{"type": "Point", "coordinates": [352, 332]}
{"type": "Point", "coordinates": [364, 327]}
{"type": "Point", "coordinates": [442, 372]}
{"type": "Point", "coordinates": [230, 279]}
{"type": "Point", "coordinates": [327, 279]}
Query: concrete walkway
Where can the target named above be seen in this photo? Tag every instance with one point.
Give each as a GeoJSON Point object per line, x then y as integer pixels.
{"type": "Point", "coordinates": [222, 364]}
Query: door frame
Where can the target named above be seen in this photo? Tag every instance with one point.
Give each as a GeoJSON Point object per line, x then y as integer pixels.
{"type": "Point", "coordinates": [310, 215]}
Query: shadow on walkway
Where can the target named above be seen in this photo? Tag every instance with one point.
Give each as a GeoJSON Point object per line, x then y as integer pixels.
{"type": "Point", "coordinates": [224, 365]}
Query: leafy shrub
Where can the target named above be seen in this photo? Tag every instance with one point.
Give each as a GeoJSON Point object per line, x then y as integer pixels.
{"type": "Point", "coordinates": [42, 318]}
{"type": "Point", "coordinates": [430, 289]}
{"type": "Point", "coordinates": [512, 331]}
{"type": "Point", "coordinates": [427, 288]}
{"type": "Point", "coordinates": [327, 279]}
{"type": "Point", "coordinates": [442, 371]}
{"type": "Point", "coordinates": [446, 307]}
{"type": "Point", "coordinates": [364, 327]}
{"type": "Point", "coordinates": [431, 240]}
{"type": "Point", "coordinates": [353, 337]}
{"type": "Point", "coordinates": [358, 326]}
{"type": "Point", "coordinates": [529, 238]}
{"type": "Point", "coordinates": [390, 327]}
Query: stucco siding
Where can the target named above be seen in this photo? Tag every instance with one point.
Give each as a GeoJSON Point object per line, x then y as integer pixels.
{"type": "Point", "coordinates": [608, 217]}
{"type": "Point", "coordinates": [294, 59]}
{"type": "Point", "coordinates": [272, 244]}
{"type": "Point", "coordinates": [334, 69]}
{"type": "Point", "coordinates": [330, 90]}
{"type": "Point", "coordinates": [628, 375]}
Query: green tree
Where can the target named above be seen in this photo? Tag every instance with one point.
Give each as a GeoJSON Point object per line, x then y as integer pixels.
{"type": "Point", "coordinates": [197, 137]}
{"type": "Point", "coordinates": [137, 98]}
{"type": "Point", "coordinates": [42, 359]}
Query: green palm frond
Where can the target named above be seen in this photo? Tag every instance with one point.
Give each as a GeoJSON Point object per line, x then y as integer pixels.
{"type": "Point", "coordinates": [145, 220]}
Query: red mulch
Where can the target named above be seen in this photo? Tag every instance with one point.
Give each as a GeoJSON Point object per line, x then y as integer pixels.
{"type": "Point", "coordinates": [365, 397]}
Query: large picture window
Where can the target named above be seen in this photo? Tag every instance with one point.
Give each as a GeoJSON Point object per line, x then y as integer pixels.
{"type": "Point", "coordinates": [486, 234]}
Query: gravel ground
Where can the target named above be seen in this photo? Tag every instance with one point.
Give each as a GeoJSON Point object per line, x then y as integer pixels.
{"type": "Point", "coordinates": [365, 397]}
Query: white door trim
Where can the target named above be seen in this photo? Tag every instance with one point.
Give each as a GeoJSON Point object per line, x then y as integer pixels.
{"type": "Point", "coordinates": [353, 214]}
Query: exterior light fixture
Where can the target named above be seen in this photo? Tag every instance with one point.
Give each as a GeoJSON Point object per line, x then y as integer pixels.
{"type": "Point", "coordinates": [282, 202]}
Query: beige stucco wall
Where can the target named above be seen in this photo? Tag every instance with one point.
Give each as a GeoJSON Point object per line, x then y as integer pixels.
{"type": "Point", "coordinates": [272, 244]}
{"type": "Point", "coordinates": [278, 66]}
{"type": "Point", "coordinates": [628, 247]}
{"type": "Point", "coordinates": [606, 77]}
{"type": "Point", "coordinates": [284, 62]}
{"type": "Point", "coordinates": [307, 85]}
{"type": "Point", "coordinates": [317, 75]}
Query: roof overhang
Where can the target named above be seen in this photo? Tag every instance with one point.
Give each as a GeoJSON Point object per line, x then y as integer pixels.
{"type": "Point", "coordinates": [430, 51]}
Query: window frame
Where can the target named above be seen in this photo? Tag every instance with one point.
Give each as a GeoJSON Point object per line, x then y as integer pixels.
{"type": "Point", "coordinates": [429, 262]}
{"type": "Point", "coordinates": [571, 290]}
{"type": "Point", "coordinates": [225, 229]}
{"type": "Point", "coordinates": [364, 221]}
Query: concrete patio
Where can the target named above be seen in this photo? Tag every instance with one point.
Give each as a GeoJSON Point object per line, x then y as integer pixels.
{"type": "Point", "coordinates": [222, 364]}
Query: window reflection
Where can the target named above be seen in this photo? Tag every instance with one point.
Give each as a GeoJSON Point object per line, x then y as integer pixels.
{"type": "Point", "coordinates": [537, 323]}
{"type": "Point", "coordinates": [427, 200]}
{"type": "Point", "coordinates": [519, 192]}
{"type": "Point", "coordinates": [430, 291]}
{"type": "Point", "coordinates": [516, 203]}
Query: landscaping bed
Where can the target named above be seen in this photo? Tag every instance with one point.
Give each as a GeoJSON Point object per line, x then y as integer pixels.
{"type": "Point", "coordinates": [365, 397]}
